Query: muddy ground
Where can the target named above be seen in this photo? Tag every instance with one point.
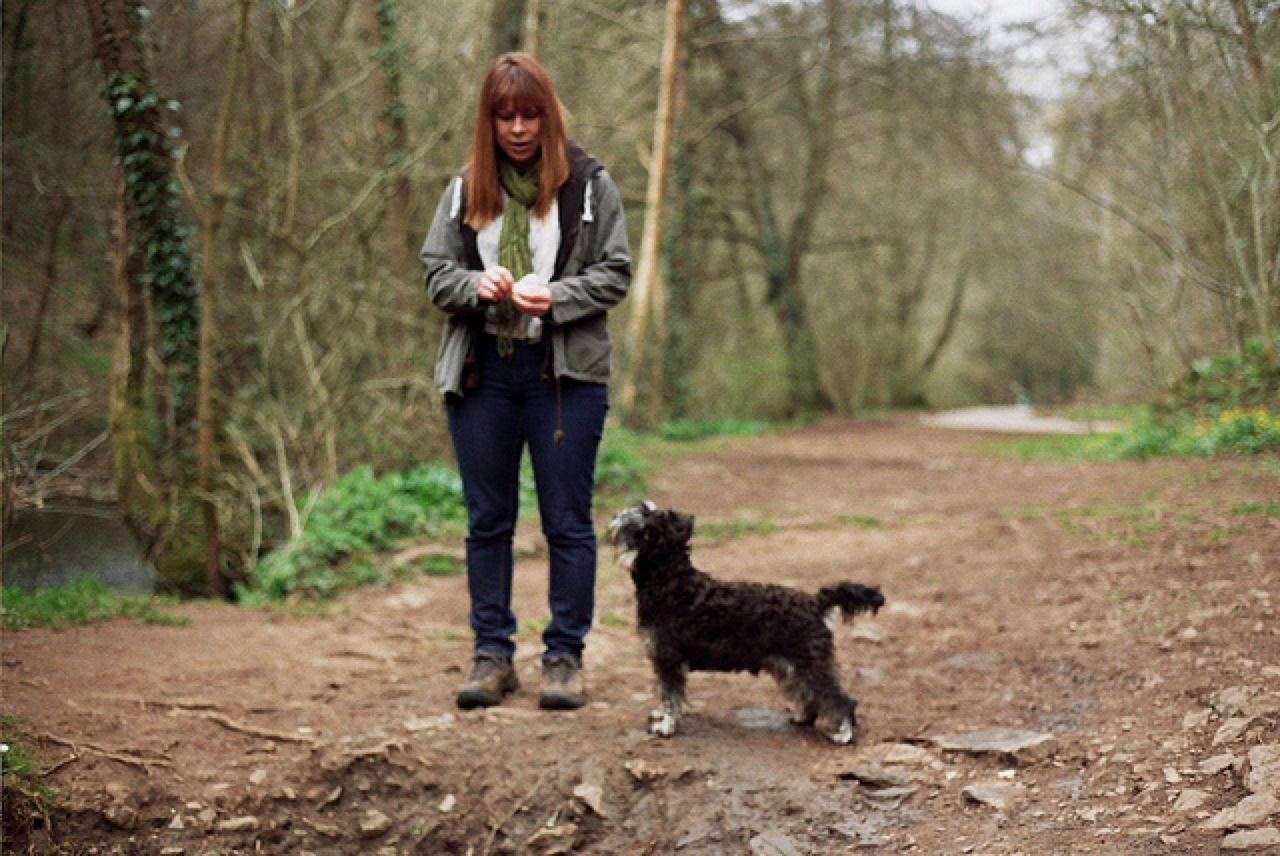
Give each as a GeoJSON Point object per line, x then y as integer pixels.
{"type": "Point", "coordinates": [1123, 615]}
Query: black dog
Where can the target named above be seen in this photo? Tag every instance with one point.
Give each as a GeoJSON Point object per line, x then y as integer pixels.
{"type": "Point", "coordinates": [693, 622]}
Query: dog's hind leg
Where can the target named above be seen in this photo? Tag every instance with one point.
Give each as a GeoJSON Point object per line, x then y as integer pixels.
{"type": "Point", "coordinates": [819, 685]}
{"type": "Point", "coordinates": [842, 711]}
{"type": "Point", "coordinates": [805, 708]}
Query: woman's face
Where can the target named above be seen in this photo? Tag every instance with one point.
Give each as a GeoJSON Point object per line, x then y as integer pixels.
{"type": "Point", "coordinates": [518, 132]}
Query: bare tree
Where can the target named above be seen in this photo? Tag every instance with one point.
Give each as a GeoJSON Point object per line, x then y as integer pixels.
{"type": "Point", "coordinates": [393, 136]}
{"type": "Point", "coordinates": [783, 241]}
{"type": "Point", "coordinates": [1190, 162]}
{"type": "Point", "coordinates": [648, 297]}
{"type": "Point", "coordinates": [210, 245]}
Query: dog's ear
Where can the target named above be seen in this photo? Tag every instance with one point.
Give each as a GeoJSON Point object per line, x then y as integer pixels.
{"type": "Point", "coordinates": [682, 526]}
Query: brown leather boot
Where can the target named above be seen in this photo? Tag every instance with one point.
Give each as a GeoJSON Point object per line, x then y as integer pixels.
{"type": "Point", "coordinates": [492, 677]}
{"type": "Point", "coordinates": [563, 687]}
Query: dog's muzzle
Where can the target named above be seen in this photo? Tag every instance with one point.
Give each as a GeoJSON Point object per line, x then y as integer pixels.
{"type": "Point", "coordinates": [623, 528]}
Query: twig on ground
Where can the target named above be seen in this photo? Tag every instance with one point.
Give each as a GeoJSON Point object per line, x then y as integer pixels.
{"type": "Point", "coordinates": [119, 757]}
{"type": "Point", "coordinates": [231, 725]}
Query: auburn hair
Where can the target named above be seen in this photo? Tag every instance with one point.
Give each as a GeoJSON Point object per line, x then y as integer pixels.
{"type": "Point", "coordinates": [515, 81]}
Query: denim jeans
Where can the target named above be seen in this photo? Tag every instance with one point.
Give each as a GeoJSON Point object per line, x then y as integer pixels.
{"type": "Point", "coordinates": [518, 404]}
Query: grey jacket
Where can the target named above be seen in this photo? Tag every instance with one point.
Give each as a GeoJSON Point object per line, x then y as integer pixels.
{"type": "Point", "coordinates": [593, 274]}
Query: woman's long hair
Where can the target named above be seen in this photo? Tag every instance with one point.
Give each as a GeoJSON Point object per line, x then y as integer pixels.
{"type": "Point", "coordinates": [514, 81]}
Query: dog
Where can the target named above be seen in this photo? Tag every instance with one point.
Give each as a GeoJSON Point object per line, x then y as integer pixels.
{"type": "Point", "coordinates": [692, 622]}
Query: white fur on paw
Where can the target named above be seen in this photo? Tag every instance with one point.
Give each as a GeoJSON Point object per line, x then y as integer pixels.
{"type": "Point", "coordinates": [664, 724]}
{"type": "Point", "coordinates": [844, 734]}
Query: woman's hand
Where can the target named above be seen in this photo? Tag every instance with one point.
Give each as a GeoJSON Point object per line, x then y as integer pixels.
{"type": "Point", "coordinates": [532, 296]}
{"type": "Point", "coordinates": [496, 284]}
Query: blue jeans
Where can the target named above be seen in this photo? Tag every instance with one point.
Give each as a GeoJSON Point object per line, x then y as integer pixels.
{"type": "Point", "coordinates": [518, 404]}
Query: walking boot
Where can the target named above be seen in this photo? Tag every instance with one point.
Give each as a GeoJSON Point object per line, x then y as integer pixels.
{"type": "Point", "coordinates": [492, 677]}
{"type": "Point", "coordinates": [563, 687]}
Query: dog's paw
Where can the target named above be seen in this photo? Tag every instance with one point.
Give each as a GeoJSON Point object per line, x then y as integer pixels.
{"type": "Point", "coordinates": [663, 724]}
{"type": "Point", "coordinates": [844, 734]}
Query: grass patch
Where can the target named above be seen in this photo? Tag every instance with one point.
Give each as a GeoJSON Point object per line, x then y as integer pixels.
{"type": "Point", "coordinates": [737, 529]}
{"type": "Point", "coordinates": [1097, 412]}
{"type": "Point", "coordinates": [1050, 447]}
{"type": "Point", "coordinates": [1266, 509]}
{"type": "Point", "coordinates": [1152, 520]}
{"type": "Point", "coordinates": [532, 627]}
{"type": "Point", "coordinates": [622, 468]}
{"type": "Point", "coordinates": [27, 799]}
{"type": "Point", "coordinates": [693, 430]}
{"type": "Point", "coordinates": [82, 602]}
{"type": "Point", "coordinates": [439, 566]}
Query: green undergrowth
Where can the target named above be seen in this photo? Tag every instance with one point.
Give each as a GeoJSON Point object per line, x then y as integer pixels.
{"type": "Point", "coordinates": [353, 528]}
{"type": "Point", "coordinates": [357, 530]}
{"type": "Point", "coordinates": [1230, 431]}
{"type": "Point", "coordinates": [84, 601]}
{"type": "Point", "coordinates": [1228, 405]}
{"type": "Point", "coordinates": [347, 525]}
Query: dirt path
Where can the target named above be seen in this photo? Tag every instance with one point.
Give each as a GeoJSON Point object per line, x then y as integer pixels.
{"type": "Point", "coordinates": [1122, 615]}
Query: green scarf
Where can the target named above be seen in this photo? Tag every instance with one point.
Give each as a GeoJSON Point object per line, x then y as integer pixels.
{"type": "Point", "coordinates": [513, 244]}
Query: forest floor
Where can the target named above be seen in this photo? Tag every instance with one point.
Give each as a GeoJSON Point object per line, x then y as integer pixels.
{"type": "Point", "coordinates": [1116, 620]}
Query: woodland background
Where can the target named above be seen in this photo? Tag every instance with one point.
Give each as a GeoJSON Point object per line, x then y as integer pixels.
{"type": "Point", "coordinates": [212, 211]}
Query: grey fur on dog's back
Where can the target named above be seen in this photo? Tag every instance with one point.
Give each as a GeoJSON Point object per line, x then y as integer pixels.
{"type": "Point", "coordinates": [693, 622]}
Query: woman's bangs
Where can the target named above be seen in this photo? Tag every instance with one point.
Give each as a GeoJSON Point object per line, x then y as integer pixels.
{"type": "Point", "coordinates": [517, 93]}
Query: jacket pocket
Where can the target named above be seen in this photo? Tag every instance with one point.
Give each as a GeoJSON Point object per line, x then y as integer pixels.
{"type": "Point", "coordinates": [588, 349]}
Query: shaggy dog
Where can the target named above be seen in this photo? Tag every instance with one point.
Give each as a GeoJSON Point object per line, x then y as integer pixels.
{"type": "Point", "coordinates": [693, 622]}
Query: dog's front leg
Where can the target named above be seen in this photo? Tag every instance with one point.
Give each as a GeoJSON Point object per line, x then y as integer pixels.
{"type": "Point", "coordinates": [671, 685]}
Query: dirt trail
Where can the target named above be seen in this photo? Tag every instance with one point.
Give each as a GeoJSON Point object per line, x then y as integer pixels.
{"type": "Point", "coordinates": [1123, 615]}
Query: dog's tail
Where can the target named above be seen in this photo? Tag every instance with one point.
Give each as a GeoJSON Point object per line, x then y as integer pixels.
{"type": "Point", "coordinates": [850, 598]}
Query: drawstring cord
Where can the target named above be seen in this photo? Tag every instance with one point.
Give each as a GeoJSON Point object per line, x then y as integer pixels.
{"type": "Point", "coordinates": [549, 370]}
{"type": "Point", "coordinates": [559, 435]}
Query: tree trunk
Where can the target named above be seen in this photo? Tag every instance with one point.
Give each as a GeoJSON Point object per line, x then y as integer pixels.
{"type": "Point", "coordinates": [154, 270]}
{"type": "Point", "coordinates": [784, 251]}
{"type": "Point", "coordinates": [393, 137]}
{"type": "Point", "coordinates": [47, 289]}
{"type": "Point", "coordinates": [131, 421]}
{"type": "Point", "coordinates": [1249, 41]}
{"type": "Point", "coordinates": [210, 240]}
{"type": "Point", "coordinates": [647, 296]}
{"type": "Point", "coordinates": [535, 26]}
{"type": "Point", "coordinates": [506, 26]}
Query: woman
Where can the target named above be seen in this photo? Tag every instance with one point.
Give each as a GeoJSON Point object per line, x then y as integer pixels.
{"type": "Point", "coordinates": [526, 255]}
